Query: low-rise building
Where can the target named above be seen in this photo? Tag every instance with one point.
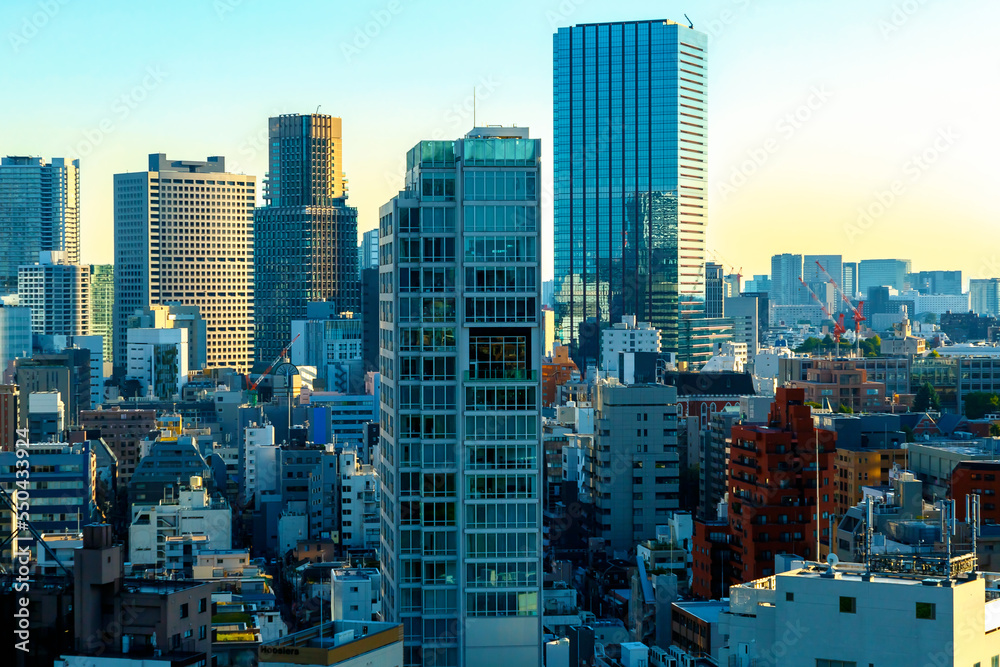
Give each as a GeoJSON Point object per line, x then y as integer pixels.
{"type": "Point", "coordinates": [338, 643]}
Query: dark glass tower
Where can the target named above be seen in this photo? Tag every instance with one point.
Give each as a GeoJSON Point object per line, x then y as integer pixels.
{"type": "Point", "coordinates": [306, 236]}
{"type": "Point", "coordinates": [630, 183]}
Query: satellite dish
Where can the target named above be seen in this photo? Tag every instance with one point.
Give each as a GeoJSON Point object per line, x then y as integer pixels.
{"type": "Point", "coordinates": [832, 560]}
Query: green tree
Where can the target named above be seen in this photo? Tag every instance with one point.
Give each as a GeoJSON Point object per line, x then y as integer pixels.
{"type": "Point", "coordinates": [978, 404]}
{"type": "Point", "coordinates": [814, 405]}
{"type": "Point", "coordinates": [995, 430]}
{"type": "Point", "coordinates": [809, 345]}
{"type": "Point", "coordinates": [927, 398]}
{"type": "Point", "coordinates": [908, 432]}
{"type": "Point", "coordinates": [930, 318]}
{"type": "Point", "coordinates": [845, 409]}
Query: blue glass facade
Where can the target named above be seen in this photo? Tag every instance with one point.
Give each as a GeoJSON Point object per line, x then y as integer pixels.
{"type": "Point", "coordinates": [630, 178]}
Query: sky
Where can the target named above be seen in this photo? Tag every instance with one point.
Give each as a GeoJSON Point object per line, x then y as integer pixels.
{"type": "Point", "coordinates": [866, 128]}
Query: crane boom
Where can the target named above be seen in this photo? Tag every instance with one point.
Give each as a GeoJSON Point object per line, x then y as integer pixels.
{"type": "Point", "coordinates": [281, 356]}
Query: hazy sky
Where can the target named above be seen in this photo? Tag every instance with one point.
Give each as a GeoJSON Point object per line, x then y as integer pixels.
{"type": "Point", "coordinates": [818, 111]}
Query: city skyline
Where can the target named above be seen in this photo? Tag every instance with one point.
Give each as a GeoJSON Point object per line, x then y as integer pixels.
{"type": "Point", "coordinates": [828, 138]}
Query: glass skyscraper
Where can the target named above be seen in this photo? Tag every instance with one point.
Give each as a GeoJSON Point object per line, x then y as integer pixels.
{"type": "Point", "coordinates": [630, 181]}
{"type": "Point", "coordinates": [306, 236]}
{"type": "Point", "coordinates": [39, 211]}
{"type": "Point", "coordinates": [460, 342]}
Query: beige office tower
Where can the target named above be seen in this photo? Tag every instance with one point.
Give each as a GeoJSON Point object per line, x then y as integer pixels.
{"type": "Point", "coordinates": [183, 234]}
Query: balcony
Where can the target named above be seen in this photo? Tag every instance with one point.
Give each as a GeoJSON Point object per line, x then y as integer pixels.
{"type": "Point", "coordinates": [513, 375]}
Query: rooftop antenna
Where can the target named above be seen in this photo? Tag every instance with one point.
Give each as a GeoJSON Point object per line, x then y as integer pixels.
{"type": "Point", "coordinates": [317, 107]}
{"type": "Point", "coordinates": [473, 107]}
{"type": "Point", "coordinates": [690, 24]}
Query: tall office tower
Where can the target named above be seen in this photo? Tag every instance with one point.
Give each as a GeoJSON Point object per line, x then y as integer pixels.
{"type": "Point", "coordinates": [984, 295]}
{"type": "Point", "coordinates": [368, 251]}
{"type": "Point", "coordinates": [786, 290]}
{"type": "Point", "coordinates": [879, 272]}
{"type": "Point", "coordinates": [461, 349]}
{"type": "Point", "coordinates": [936, 282]}
{"type": "Point", "coordinates": [849, 279]}
{"type": "Point", "coordinates": [182, 235]}
{"type": "Point", "coordinates": [305, 237]}
{"type": "Point", "coordinates": [630, 180]}
{"type": "Point", "coordinates": [15, 335]}
{"type": "Point", "coordinates": [58, 294]}
{"type": "Point", "coordinates": [102, 304]}
{"type": "Point", "coordinates": [714, 289]}
{"type": "Point", "coordinates": [39, 211]}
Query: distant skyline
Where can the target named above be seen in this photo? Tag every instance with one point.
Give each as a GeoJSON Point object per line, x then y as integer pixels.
{"type": "Point", "coordinates": [856, 128]}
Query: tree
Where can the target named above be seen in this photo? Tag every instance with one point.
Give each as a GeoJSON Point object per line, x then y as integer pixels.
{"type": "Point", "coordinates": [978, 404]}
{"type": "Point", "coordinates": [995, 430]}
{"type": "Point", "coordinates": [930, 318]}
{"type": "Point", "coordinates": [926, 399]}
{"type": "Point", "coordinates": [908, 432]}
{"type": "Point", "coordinates": [809, 345]}
{"type": "Point", "coordinates": [814, 405]}
{"type": "Point", "coordinates": [843, 408]}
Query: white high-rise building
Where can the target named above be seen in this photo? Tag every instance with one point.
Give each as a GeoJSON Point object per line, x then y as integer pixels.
{"type": "Point", "coordinates": [627, 336]}
{"type": "Point", "coordinates": [39, 211]}
{"type": "Point", "coordinates": [58, 294]}
{"type": "Point", "coordinates": [460, 353]}
{"type": "Point", "coordinates": [183, 234]}
{"type": "Point", "coordinates": [158, 360]}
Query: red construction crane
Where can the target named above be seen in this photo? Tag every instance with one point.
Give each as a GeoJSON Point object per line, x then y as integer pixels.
{"type": "Point", "coordinates": [838, 324]}
{"type": "Point", "coordinates": [858, 311]}
{"type": "Point", "coordinates": [281, 356]}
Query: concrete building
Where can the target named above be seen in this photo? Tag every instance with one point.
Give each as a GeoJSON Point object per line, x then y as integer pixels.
{"type": "Point", "coordinates": [170, 462]}
{"type": "Point", "coordinates": [984, 296]}
{"type": "Point", "coordinates": [158, 361]}
{"type": "Point", "coordinates": [597, 283]}
{"type": "Point", "coordinates": [46, 416]}
{"type": "Point", "coordinates": [122, 431]}
{"type": "Point", "coordinates": [820, 616]}
{"type": "Point", "coordinates": [67, 372]}
{"type": "Point", "coordinates": [9, 397]}
{"type": "Point", "coordinates": [368, 251]}
{"type": "Point", "coordinates": [102, 306]}
{"type": "Point", "coordinates": [882, 272]}
{"type": "Point", "coordinates": [39, 212]}
{"type": "Point", "coordinates": [15, 335]}
{"type": "Point", "coordinates": [841, 384]}
{"type": "Point", "coordinates": [354, 594]}
{"type": "Point", "coordinates": [94, 344]}
{"type": "Point", "coordinates": [359, 524]}
{"type": "Point", "coordinates": [461, 269]}
{"type": "Point", "coordinates": [369, 319]}
{"type": "Point", "coordinates": [774, 486]}
{"type": "Point", "coordinates": [193, 512]}
{"type": "Point", "coordinates": [260, 462]}
{"type": "Point", "coordinates": [635, 462]}
{"type": "Point", "coordinates": [744, 312]}
{"type": "Point", "coordinates": [627, 336]}
{"type": "Point", "coordinates": [174, 217]}
{"type": "Point", "coordinates": [305, 236]}
{"type": "Point", "coordinates": [173, 315]}
{"type": "Point", "coordinates": [58, 294]}
{"type": "Point", "coordinates": [786, 290]}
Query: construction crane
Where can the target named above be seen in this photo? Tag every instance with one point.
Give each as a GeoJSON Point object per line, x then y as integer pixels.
{"type": "Point", "coordinates": [281, 355]}
{"type": "Point", "coordinates": [838, 324]}
{"type": "Point", "coordinates": [857, 311]}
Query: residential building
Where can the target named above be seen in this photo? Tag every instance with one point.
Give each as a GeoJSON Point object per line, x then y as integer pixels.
{"type": "Point", "coordinates": [341, 418]}
{"type": "Point", "coordinates": [882, 273]}
{"type": "Point", "coordinates": [39, 211]}
{"type": "Point", "coordinates": [61, 486]}
{"type": "Point", "coordinates": [556, 371]}
{"type": "Point", "coordinates": [460, 338]}
{"type": "Point", "coordinates": [627, 336]}
{"type": "Point", "coordinates": [102, 306]}
{"type": "Point", "coordinates": [774, 486]}
{"type": "Point", "coordinates": [638, 246]}
{"type": "Point", "coordinates": [695, 626]}
{"type": "Point", "coordinates": [714, 460]}
{"type": "Point", "coordinates": [635, 461]}
{"type": "Point", "coordinates": [176, 215]}
{"type": "Point", "coordinates": [984, 296]}
{"type": "Point", "coordinates": [305, 236]}
{"type": "Point", "coordinates": [893, 372]}
{"type": "Point", "coordinates": [172, 460]}
{"type": "Point", "coordinates": [888, 616]}
{"type": "Point", "coordinates": [359, 514]}
{"type": "Point", "coordinates": [122, 431]}
{"type": "Point", "coordinates": [46, 415]}
{"type": "Point", "coordinates": [192, 512]}
{"type": "Point", "coordinates": [173, 315]}
{"type": "Point", "coordinates": [368, 251]}
{"type": "Point", "coordinates": [841, 384]}
{"type": "Point", "coordinates": [711, 560]}
{"type": "Point", "coordinates": [260, 462]}
{"type": "Point", "coordinates": [15, 335]}
{"type": "Point", "coordinates": [58, 294]}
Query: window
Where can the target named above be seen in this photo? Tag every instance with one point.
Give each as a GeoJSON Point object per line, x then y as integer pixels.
{"type": "Point", "coordinates": [835, 663]}
{"type": "Point", "coordinates": [926, 610]}
{"type": "Point", "coordinates": [202, 605]}
{"type": "Point", "coordinates": [789, 597]}
{"type": "Point", "coordinates": [184, 610]}
{"type": "Point", "coordinates": [848, 605]}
